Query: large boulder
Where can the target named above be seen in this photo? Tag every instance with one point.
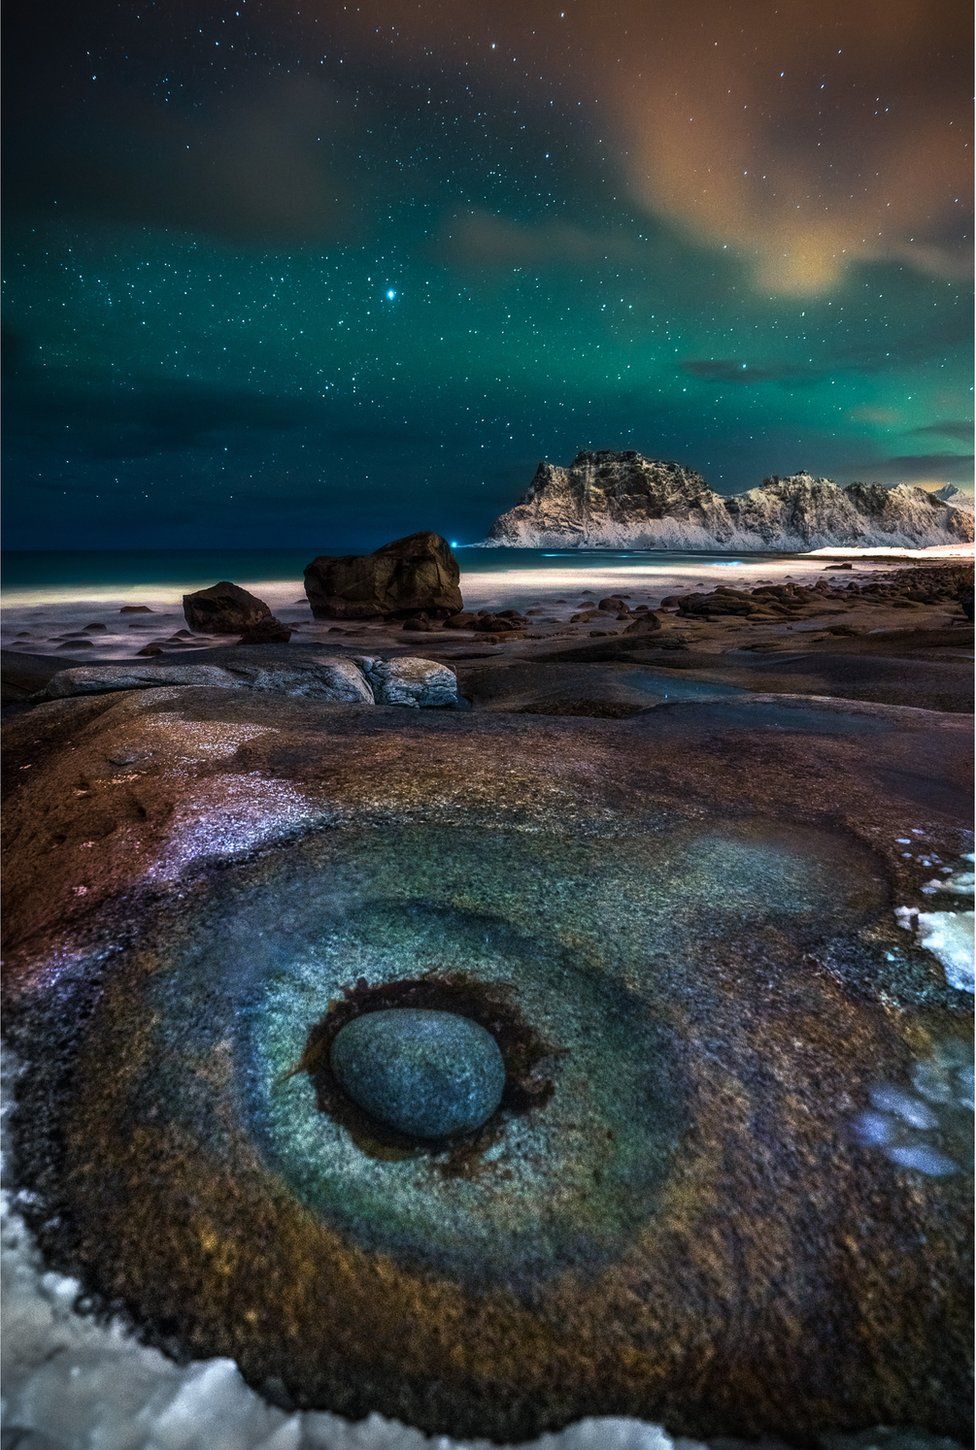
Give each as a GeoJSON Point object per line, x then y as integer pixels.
{"type": "Point", "coordinates": [421, 684]}
{"type": "Point", "coordinates": [337, 681]}
{"type": "Point", "coordinates": [224, 608]}
{"type": "Point", "coordinates": [415, 575]}
{"type": "Point", "coordinates": [411, 681]}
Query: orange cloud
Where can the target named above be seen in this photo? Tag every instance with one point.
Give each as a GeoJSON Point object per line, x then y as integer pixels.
{"type": "Point", "coordinates": [805, 136]}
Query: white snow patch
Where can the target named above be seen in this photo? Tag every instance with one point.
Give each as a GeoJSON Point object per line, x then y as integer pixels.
{"type": "Point", "coordinates": [948, 935]}
{"type": "Point", "coordinates": [924, 1159]}
{"type": "Point", "coordinates": [933, 551]}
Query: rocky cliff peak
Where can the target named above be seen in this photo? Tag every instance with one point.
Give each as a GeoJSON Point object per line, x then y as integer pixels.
{"type": "Point", "coordinates": [608, 498]}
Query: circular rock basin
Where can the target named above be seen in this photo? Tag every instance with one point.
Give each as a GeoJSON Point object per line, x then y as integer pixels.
{"type": "Point", "coordinates": [671, 1214]}
{"type": "Point", "coordinates": [423, 1073]}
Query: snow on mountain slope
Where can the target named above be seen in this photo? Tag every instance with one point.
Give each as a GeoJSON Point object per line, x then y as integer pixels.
{"type": "Point", "coordinates": [624, 500]}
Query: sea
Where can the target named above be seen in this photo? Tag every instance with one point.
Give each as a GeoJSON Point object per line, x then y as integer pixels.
{"type": "Point", "coordinates": [49, 598]}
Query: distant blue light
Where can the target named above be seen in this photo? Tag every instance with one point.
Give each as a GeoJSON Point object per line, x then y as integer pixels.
{"type": "Point", "coordinates": [391, 294]}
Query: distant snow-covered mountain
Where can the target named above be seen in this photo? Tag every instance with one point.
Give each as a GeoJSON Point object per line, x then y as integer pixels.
{"type": "Point", "coordinates": [624, 500]}
{"type": "Point", "coordinates": [948, 493]}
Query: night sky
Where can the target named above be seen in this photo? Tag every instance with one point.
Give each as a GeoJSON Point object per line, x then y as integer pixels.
{"type": "Point", "coordinates": [321, 274]}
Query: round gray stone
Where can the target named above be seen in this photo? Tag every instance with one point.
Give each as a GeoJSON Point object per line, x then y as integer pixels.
{"type": "Point", "coordinates": [425, 1073]}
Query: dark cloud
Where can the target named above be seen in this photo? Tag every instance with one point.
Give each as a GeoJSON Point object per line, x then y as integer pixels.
{"type": "Point", "coordinates": [150, 417]}
{"type": "Point", "coordinates": [913, 342]}
{"type": "Point", "coordinates": [254, 167]}
{"type": "Point", "coordinates": [948, 428]}
{"type": "Point", "coordinates": [142, 418]}
{"type": "Point", "coordinates": [731, 370]}
{"type": "Point", "coordinates": [954, 467]}
{"type": "Point", "coordinates": [483, 239]}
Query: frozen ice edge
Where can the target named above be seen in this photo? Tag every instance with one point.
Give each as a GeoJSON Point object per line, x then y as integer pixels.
{"type": "Point", "coordinates": [948, 935]}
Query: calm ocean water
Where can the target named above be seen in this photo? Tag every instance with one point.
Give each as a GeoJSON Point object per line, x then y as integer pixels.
{"type": "Point", "coordinates": [51, 599]}
{"type": "Point", "coordinates": [60, 574]}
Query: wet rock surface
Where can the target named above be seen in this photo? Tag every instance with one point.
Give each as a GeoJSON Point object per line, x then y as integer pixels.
{"type": "Point", "coordinates": [700, 1236]}
{"type": "Point", "coordinates": [426, 1074]}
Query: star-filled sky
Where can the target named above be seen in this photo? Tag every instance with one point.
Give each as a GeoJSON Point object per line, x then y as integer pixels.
{"type": "Point", "coordinates": [294, 272]}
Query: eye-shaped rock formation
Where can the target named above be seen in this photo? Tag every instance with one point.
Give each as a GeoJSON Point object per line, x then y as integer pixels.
{"type": "Point", "coordinates": [678, 929]}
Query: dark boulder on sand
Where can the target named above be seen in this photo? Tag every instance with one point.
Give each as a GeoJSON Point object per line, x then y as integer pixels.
{"type": "Point", "coordinates": [224, 608]}
{"type": "Point", "coordinates": [415, 575]}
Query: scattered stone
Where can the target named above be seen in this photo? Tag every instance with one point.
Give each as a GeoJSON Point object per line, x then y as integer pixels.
{"type": "Point", "coordinates": [135, 609]}
{"type": "Point", "coordinates": [95, 629]}
{"type": "Point", "coordinates": [224, 608]}
{"type": "Point", "coordinates": [426, 1074]}
{"type": "Point", "coordinates": [505, 623]}
{"type": "Point", "coordinates": [415, 575]}
{"type": "Point", "coordinates": [646, 623]}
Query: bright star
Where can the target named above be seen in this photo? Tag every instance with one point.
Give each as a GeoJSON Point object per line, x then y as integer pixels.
{"type": "Point", "coordinates": [391, 294]}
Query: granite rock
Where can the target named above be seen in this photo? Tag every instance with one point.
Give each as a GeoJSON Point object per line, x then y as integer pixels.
{"type": "Point", "coordinates": [424, 1073]}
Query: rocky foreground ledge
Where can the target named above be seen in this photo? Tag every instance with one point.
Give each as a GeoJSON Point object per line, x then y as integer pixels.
{"type": "Point", "coordinates": [697, 871]}
{"type": "Point", "coordinates": [314, 675]}
{"type": "Point", "coordinates": [728, 1185]}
